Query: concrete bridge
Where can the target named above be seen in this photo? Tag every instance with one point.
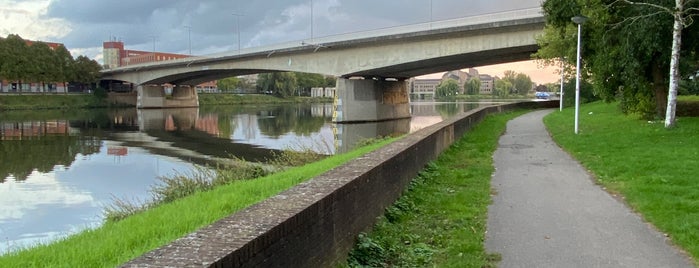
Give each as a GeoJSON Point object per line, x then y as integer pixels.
{"type": "Point", "coordinates": [372, 66]}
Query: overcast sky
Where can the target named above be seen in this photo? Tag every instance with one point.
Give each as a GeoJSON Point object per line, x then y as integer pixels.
{"type": "Point", "coordinates": [82, 25]}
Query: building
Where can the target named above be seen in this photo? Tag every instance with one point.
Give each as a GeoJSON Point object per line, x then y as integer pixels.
{"type": "Point", "coordinates": [116, 56]}
{"type": "Point", "coordinates": [423, 89]}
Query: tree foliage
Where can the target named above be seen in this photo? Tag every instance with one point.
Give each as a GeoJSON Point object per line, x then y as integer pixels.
{"type": "Point", "coordinates": [473, 86]}
{"type": "Point", "coordinates": [625, 50]}
{"type": "Point", "coordinates": [448, 88]}
{"type": "Point", "coordinates": [39, 63]}
{"type": "Point", "coordinates": [292, 83]}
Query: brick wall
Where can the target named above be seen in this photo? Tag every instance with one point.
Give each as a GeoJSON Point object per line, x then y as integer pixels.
{"type": "Point", "coordinates": [315, 223]}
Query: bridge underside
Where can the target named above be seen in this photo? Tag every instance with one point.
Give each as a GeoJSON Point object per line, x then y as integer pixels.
{"type": "Point", "coordinates": [382, 61]}
{"type": "Point", "coordinates": [450, 63]}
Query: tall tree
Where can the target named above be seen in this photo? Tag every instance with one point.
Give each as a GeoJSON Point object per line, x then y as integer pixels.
{"type": "Point", "coordinates": [473, 86]}
{"type": "Point", "coordinates": [86, 70]}
{"type": "Point", "coordinates": [682, 18]}
{"type": "Point", "coordinates": [282, 84]}
{"type": "Point", "coordinates": [626, 48]}
{"type": "Point", "coordinates": [522, 83]}
{"type": "Point", "coordinates": [64, 66]}
{"type": "Point", "coordinates": [15, 61]}
{"type": "Point", "coordinates": [447, 89]}
{"type": "Point", "coordinates": [40, 63]}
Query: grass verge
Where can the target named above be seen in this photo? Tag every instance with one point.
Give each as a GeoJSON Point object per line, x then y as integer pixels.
{"type": "Point", "coordinates": [50, 101]}
{"type": "Point", "coordinates": [117, 242]}
{"type": "Point", "coordinates": [654, 168]}
{"type": "Point", "coordinates": [440, 220]}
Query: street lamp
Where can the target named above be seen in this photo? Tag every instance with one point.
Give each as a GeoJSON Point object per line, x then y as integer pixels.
{"type": "Point", "coordinates": [311, 21]}
{"type": "Point", "coordinates": [189, 38]}
{"type": "Point", "coordinates": [237, 28]}
{"type": "Point", "coordinates": [579, 20]}
{"type": "Point", "coordinates": [560, 96]}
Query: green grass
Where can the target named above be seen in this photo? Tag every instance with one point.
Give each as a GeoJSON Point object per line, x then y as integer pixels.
{"type": "Point", "coordinates": [49, 101]}
{"type": "Point", "coordinates": [117, 242]}
{"type": "Point", "coordinates": [654, 168]}
{"type": "Point", "coordinates": [440, 220]}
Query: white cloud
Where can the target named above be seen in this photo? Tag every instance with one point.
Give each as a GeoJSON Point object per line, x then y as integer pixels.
{"type": "Point", "coordinates": [29, 20]}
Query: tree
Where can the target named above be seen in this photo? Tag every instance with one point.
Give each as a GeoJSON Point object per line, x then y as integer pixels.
{"type": "Point", "coordinates": [626, 48]}
{"type": "Point", "coordinates": [282, 84]}
{"type": "Point", "coordinates": [473, 86]}
{"type": "Point", "coordinates": [503, 87]}
{"type": "Point", "coordinates": [306, 81]}
{"type": "Point", "coordinates": [682, 18]}
{"type": "Point", "coordinates": [41, 64]}
{"type": "Point", "coordinates": [447, 89]}
{"type": "Point", "coordinates": [522, 84]}
{"type": "Point", "coordinates": [229, 83]}
{"type": "Point", "coordinates": [15, 62]}
{"type": "Point", "coordinates": [64, 66]}
{"type": "Point", "coordinates": [86, 70]}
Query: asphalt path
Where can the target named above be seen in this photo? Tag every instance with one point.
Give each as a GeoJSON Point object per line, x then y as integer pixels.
{"type": "Point", "coordinates": [547, 211]}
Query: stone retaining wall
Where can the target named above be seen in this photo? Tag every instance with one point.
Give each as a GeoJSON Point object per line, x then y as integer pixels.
{"type": "Point", "coordinates": [314, 224]}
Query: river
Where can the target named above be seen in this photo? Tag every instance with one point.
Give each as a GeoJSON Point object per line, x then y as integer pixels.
{"type": "Point", "coordinates": [60, 169]}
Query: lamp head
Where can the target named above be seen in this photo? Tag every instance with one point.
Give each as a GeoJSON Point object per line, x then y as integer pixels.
{"type": "Point", "coordinates": [580, 19]}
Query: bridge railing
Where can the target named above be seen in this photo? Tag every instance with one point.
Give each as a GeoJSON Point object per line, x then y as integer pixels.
{"type": "Point", "coordinates": [519, 14]}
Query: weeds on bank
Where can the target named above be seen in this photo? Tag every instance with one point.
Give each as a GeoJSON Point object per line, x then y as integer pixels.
{"type": "Point", "coordinates": [202, 179]}
{"type": "Point", "coordinates": [116, 242]}
{"type": "Point", "coordinates": [441, 218]}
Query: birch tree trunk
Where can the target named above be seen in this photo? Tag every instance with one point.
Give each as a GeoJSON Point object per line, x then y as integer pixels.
{"type": "Point", "coordinates": [674, 64]}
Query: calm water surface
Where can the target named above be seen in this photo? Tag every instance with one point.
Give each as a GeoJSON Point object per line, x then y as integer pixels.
{"type": "Point", "coordinates": [59, 170]}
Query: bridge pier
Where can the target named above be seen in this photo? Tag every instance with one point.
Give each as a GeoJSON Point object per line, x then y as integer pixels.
{"type": "Point", "coordinates": [153, 96]}
{"type": "Point", "coordinates": [369, 100]}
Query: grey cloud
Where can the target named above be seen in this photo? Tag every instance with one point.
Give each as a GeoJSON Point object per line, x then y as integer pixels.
{"type": "Point", "coordinates": [263, 22]}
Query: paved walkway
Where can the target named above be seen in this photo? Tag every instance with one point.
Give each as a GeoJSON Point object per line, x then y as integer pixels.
{"type": "Point", "coordinates": [547, 212]}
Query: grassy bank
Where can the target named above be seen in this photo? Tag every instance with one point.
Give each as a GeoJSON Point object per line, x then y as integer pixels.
{"type": "Point", "coordinates": [49, 101]}
{"type": "Point", "coordinates": [228, 99]}
{"type": "Point", "coordinates": [440, 220]}
{"type": "Point", "coordinates": [654, 168]}
{"type": "Point", "coordinates": [117, 242]}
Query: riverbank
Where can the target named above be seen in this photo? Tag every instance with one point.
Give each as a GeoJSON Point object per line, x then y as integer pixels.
{"type": "Point", "coordinates": [651, 168]}
{"type": "Point", "coordinates": [88, 101]}
{"type": "Point", "coordinates": [117, 242]}
{"type": "Point", "coordinates": [440, 220]}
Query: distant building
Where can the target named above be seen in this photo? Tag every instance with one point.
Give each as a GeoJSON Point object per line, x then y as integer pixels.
{"type": "Point", "coordinates": [323, 92]}
{"type": "Point", "coordinates": [423, 89]}
{"type": "Point", "coordinates": [116, 56]}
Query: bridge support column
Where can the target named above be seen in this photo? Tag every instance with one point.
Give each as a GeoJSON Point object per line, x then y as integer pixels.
{"type": "Point", "coordinates": [183, 96]}
{"type": "Point", "coordinates": [368, 100]}
{"type": "Point", "coordinates": [153, 96]}
{"type": "Point", "coordinates": [150, 96]}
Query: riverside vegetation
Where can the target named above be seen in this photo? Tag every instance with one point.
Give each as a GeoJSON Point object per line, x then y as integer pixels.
{"type": "Point", "coordinates": [440, 220]}
{"type": "Point", "coordinates": [653, 169]}
{"type": "Point", "coordinates": [135, 230]}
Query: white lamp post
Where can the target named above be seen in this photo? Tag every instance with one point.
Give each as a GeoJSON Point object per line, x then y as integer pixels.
{"type": "Point", "coordinates": [237, 28]}
{"type": "Point", "coordinates": [560, 96]}
{"type": "Point", "coordinates": [579, 20]}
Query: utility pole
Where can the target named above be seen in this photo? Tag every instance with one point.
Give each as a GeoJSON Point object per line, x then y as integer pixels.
{"type": "Point", "coordinates": [237, 27]}
{"type": "Point", "coordinates": [189, 38]}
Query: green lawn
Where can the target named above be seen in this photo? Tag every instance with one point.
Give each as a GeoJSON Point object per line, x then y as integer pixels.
{"type": "Point", "coordinates": [118, 242]}
{"type": "Point", "coordinates": [440, 220]}
{"type": "Point", "coordinates": [654, 168]}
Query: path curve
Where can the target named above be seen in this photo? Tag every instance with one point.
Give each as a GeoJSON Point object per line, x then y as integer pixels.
{"type": "Point", "coordinates": [547, 212]}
